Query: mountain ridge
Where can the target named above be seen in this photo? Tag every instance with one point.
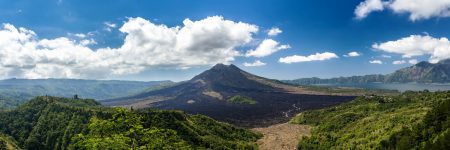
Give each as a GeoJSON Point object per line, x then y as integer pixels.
{"type": "Point", "coordinates": [422, 72]}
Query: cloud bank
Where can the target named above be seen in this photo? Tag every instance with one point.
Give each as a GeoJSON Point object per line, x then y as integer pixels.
{"type": "Point", "coordinates": [416, 9]}
{"type": "Point", "coordinates": [146, 45]}
{"type": "Point", "coordinates": [257, 63]}
{"type": "Point", "coordinates": [418, 45]}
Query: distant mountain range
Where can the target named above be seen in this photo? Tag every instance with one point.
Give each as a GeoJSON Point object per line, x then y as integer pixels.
{"type": "Point", "coordinates": [230, 94]}
{"type": "Point", "coordinates": [423, 72]}
{"type": "Point", "coordinates": [16, 91]}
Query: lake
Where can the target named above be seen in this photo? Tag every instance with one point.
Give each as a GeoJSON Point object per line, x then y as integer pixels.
{"type": "Point", "coordinates": [395, 86]}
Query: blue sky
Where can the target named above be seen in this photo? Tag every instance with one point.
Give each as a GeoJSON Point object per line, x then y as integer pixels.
{"type": "Point", "coordinates": [308, 27]}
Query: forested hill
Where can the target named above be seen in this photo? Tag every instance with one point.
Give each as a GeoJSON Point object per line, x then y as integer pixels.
{"type": "Point", "coordinates": [412, 120]}
{"type": "Point", "coordinates": [60, 123]}
{"type": "Point", "coordinates": [16, 91]}
{"type": "Point", "coordinates": [423, 72]}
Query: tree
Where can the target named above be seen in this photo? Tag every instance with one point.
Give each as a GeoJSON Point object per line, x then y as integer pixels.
{"type": "Point", "coordinates": [125, 131]}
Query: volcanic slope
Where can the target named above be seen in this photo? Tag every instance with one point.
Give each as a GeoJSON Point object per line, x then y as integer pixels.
{"type": "Point", "coordinates": [264, 101]}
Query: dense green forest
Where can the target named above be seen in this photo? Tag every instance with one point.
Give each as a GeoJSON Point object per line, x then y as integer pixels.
{"type": "Point", "coordinates": [14, 92]}
{"type": "Point", "coordinates": [59, 123]}
{"type": "Point", "coordinates": [418, 120]}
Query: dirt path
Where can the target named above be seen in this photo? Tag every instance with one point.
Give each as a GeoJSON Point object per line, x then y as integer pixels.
{"type": "Point", "coordinates": [283, 136]}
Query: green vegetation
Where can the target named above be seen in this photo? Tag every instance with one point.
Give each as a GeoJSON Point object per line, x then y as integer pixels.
{"type": "Point", "coordinates": [8, 103]}
{"type": "Point", "coordinates": [7, 143]}
{"type": "Point", "coordinates": [411, 120]}
{"type": "Point", "coordinates": [14, 92]}
{"type": "Point", "coordinates": [238, 99]}
{"type": "Point", "coordinates": [432, 133]}
{"type": "Point", "coordinates": [60, 123]}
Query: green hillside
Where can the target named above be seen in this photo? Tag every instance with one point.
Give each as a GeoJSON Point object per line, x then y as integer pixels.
{"type": "Point", "coordinates": [59, 123]}
{"type": "Point", "coordinates": [410, 120]}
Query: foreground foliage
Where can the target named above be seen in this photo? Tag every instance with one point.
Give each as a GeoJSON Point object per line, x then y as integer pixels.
{"type": "Point", "coordinates": [417, 120]}
{"type": "Point", "coordinates": [60, 123]}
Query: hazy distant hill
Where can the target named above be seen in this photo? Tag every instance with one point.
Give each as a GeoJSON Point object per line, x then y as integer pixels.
{"type": "Point", "coordinates": [15, 91]}
{"type": "Point", "coordinates": [230, 94]}
{"type": "Point", "coordinates": [423, 72]}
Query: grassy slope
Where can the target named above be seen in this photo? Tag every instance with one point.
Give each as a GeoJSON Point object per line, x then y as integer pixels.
{"type": "Point", "coordinates": [367, 121]}
{"type": "Point", "coordinates": [238, 99]}
{"type": "Point", "coordinates": [7, 143]}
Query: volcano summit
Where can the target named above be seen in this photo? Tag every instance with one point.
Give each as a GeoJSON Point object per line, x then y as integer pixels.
{"type": "Point", "coordinates": [230, 94]}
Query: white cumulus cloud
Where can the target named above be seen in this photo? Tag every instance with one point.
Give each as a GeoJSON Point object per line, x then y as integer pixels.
{"type": "Point", "coordinates": [146, 46]}
{"type": "Point", "coordinates": [418, 45]}
{"type": "Point", "coordinates": [257, 63]}
{"type": "Point", "coordinates": [266, 48]}
{"type": "Point", "coordinates": [386, 56]}
{"type": "Point", "coordinates": [352, 54]}
{"type": "Point", "coordinates": [80, 35]}
{"type": "Point", "coordinates": [368, 6]}
{"type": "Point", "coordinates": [413, 61]}
{"type": "Point", "coordinates": [398, 62]}
{"type": "Point", "coordinates": [376, 62]}
{"type": "Point", "coordinates": [109, 26]}
{"type": "Point", "coordinates": [416, 9]}
{"type": "Point", "coordinates": [274, 31]}
{"type": "Point", "coordinates": [313, 57]}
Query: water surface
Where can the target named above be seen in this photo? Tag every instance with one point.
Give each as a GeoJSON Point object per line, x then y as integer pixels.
{"type": "Point", "coordinates": [395, 86]}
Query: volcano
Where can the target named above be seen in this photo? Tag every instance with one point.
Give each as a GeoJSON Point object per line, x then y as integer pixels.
{"type": "Point", "coordinates": [211, 93]}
